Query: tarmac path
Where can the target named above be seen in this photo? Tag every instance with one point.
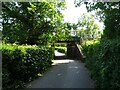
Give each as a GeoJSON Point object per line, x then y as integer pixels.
{"type": "Point", "coordinates": [65, 73]}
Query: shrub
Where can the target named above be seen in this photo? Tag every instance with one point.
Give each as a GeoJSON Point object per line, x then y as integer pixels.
{"type": "Point", "coordinates": [103, 61]}
{"type": "Point", "coordinates": [61, 49]}
{"type": "Point", "coordinates": [22, 64]}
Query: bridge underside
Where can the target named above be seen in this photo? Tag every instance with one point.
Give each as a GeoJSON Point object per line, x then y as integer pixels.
{"type": "Point", "coordinates": [73, 51]}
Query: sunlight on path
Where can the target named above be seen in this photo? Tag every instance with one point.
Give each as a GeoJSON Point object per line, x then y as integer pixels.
{"type": "Point", "coordinates": [55, 62]}
{"type": "Point", "coordinates": [58, 53]}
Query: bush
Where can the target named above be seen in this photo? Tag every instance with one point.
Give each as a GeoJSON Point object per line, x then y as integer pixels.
{"type": "Point", "coordinates": [61, 49]}
{"type": "Point", "coordinates": [22, 64]}
{"type": "Point", "coordinates": [103, 61]}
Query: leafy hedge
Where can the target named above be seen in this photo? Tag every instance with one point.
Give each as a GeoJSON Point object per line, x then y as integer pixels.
{"type": "Point", "coordinates": [22, 64]}
{"type": "Point", "coordinates": [103, 60]}
{"type": "Point", "coordinates": [61, 49]}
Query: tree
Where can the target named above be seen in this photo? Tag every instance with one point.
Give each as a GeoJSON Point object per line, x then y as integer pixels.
{"type": "Point", "coordinates": [109, 13]}
{"type": "Point", "coordinates": [106, 56]}
{"type": "Point", "coordinates": [0, 35]}
{"type": "Point", "coordinates": [87, 26]}
{"type": "Point", "coordinates": [31, 22]}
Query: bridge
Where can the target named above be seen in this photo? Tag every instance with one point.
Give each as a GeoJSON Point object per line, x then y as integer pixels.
{"type": "Point", "coordinates": [73, 50]}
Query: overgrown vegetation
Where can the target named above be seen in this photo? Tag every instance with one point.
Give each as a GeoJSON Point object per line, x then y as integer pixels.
{"type": "Point", "coordinates": [103, 58]}
{"type": "Point", "coordinates": [22, 64]}
{"type": "Point", "coordinates": [29, 27]}
{"type": "Point", "coordinates": [40, 24]}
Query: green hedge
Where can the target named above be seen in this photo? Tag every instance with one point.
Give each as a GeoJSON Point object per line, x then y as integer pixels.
{"type": "Point", "coordinates": [61, 49]}
{"type": "Point", "coordinates": [22, 64]}
{"type": "Point", "coordinates": [103, 60]}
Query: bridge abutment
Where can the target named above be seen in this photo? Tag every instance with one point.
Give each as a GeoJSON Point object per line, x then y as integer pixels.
{"type": "Point", "coordinates": [73, 51]}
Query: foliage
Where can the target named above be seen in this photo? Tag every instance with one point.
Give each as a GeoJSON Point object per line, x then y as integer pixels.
{"type": "Point", "coordinates": [32, 22]}
{"type": "Point", "coordinates": [22, 64]}
{"type": "Point", "coordinates": [90, 42]}
{"type": "Point", "coordinates": [109, 13]}
{"type": "Point", "coordinates": [60, 44]}
{"type": "Point", "coordinates": [61, 49]}
{"type": "Point", "coordinates": [103, 60]}
{"type": "Point", "coordinates": [62, 33]}
{"type": "Point", "coordinates": [88, 28]}
{"type": "Point", "coordinates": [0, 35]}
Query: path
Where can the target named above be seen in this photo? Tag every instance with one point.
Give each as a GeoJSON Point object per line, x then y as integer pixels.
{"type": "Point", "coordinates": [65, 73]}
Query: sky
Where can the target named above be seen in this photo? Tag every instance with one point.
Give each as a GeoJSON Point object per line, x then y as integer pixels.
{"type": "Point", "coordinates": [72, 13]}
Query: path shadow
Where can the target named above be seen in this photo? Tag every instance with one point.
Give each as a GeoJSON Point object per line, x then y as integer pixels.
{"type": "Point", "coordinates": [60, 57]}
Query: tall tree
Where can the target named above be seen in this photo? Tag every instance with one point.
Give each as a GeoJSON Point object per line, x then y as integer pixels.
{"type": "Point", "coordinates": [88, 28]}
{"type": "Point", "coordinates": [30, 22]}
{"type": "Point", "coordinates": [109, 13]}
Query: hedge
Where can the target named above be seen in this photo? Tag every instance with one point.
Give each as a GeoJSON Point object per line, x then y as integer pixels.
{"type": "Point", "coordinates": [22, 64]}
{"type": "Point", "coordinates": [61, 49]}
{"type": "Point", "coordinates": [103, 60]}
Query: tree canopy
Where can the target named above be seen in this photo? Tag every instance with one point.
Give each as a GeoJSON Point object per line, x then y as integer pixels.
{"type": "Point", "coordinates": [109, 13]}
{"type": "Point", "coordinates": [88, 26]}
{"type": "Point", "coordinates": [32, 22]}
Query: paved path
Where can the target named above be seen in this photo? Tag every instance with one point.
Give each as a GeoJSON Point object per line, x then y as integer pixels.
{"type": "Point", "coordinates": [65, 73]}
